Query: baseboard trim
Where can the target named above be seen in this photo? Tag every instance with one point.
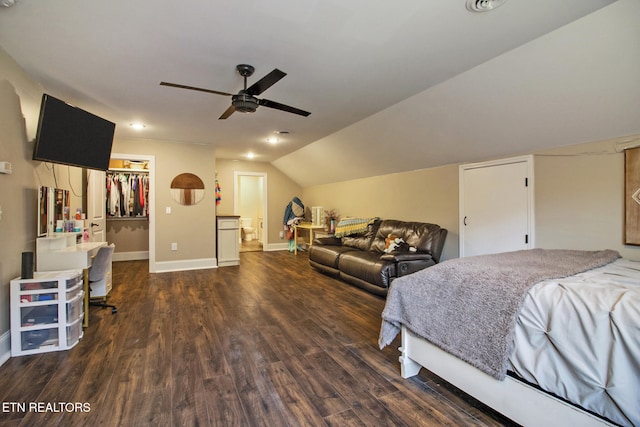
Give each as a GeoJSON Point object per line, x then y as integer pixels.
{"type": "Point", "coordinates": [276, 247]}
{"type": "Point", "coordinates": [187, 264]}
{"type": "Point", "coordinates": [5, 347]}
{"type": "Point", "coordinates": [130, 256]}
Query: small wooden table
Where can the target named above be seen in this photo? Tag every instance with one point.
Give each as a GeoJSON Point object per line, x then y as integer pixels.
{"type": "Point", "coordinates": [305, 226]}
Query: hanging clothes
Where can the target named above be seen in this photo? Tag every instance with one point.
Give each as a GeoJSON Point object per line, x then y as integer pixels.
{"type": "Point", "coordinates": [293, 214]}
{"type": "Point", "coordinates": [127, 194]}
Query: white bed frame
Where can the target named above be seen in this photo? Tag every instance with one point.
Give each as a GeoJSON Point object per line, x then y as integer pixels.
{"type": "Point", "coordinates": [514, 399]}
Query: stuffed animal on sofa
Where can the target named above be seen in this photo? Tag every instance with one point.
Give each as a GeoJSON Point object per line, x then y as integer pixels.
{"type": "Point", "coordinates": [394, 243]}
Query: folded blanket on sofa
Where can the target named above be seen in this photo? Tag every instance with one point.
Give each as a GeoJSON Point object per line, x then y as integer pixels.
{"type": "Point", "coordinates": [348, 226]}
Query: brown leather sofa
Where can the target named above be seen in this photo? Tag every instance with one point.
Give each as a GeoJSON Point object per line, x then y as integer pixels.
{"type": "Point", "coordinates": [362, 261]}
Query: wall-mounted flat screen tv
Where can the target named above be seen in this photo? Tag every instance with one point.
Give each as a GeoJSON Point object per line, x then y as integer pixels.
{"type": "Point", "coordinates": [72, 136]}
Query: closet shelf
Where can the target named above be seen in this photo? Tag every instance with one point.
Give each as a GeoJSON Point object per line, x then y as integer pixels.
{"type": "Point", "coordinates": [128, 218]}
{"type": "Point", "coordinates": [128, 170]}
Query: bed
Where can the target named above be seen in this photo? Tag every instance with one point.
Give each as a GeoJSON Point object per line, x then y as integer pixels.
{"type": "Point", "coordinates": [546, 337]}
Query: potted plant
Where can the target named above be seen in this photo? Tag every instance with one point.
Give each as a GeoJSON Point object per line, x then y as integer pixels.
{"type": "Point", "coordinates": [331, 217]}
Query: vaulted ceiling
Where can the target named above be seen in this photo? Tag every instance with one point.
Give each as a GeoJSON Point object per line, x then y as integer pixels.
{"type": "Point", "coordinates": [391, 86]}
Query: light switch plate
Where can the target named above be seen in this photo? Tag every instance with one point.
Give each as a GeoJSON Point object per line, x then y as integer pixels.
{"type": "Point", "coordinates": [5, 167]}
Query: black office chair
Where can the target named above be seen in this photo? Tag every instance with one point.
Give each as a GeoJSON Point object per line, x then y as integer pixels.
{"type": "Point", "coordinates": [98, 275]}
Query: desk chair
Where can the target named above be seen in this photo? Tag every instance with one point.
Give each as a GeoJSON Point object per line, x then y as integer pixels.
{"type": "Point", "coordinates": [99, 275]}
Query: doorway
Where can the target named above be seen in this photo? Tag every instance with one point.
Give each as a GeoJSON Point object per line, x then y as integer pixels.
{"type": "Point", "coordinates": [150, 160]}
{"type": "Point", "coordinates": [250, 203]}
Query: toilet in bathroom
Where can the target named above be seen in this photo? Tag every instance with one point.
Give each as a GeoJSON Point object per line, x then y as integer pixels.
{"type": "Point", "coordinates": [247, 229]}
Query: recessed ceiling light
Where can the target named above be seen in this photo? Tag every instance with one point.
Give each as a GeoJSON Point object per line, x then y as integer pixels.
{"type": "Point", "coordinates": [273, 140]}
{"type": "Point", "coordinates": [250, 155]}
{"type": "Point", "coordinates": [137, 126]}
{"type": "Point", "coordinates": [483, 5]}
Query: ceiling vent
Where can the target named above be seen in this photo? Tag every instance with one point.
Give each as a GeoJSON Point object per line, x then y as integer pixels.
{"type": "Point", "coordinates": [483, 5]}
{"type": "Point", "coordinates": [7, 3]}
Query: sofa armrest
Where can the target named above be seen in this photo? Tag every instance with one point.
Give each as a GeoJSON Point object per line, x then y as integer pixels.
{"type": "Point", "coordinates": [330, 240]}
{"type": "Point", "coordinates": [409, 262]}
{"type": "Point", "coordinates": [406, 256]}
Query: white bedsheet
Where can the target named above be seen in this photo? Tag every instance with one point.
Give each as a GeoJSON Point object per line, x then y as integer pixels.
{"type": "Point", "coordinates": [579, 338]}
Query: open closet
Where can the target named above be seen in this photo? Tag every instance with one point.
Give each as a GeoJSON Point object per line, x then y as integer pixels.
{"type": "Point", "coordinates": [127, 207]}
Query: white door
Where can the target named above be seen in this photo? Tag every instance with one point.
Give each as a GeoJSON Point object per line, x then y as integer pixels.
{"type": "Point", "coordinates": [96, 205]}
{"type": "Point", "coordinates": [496, 206]}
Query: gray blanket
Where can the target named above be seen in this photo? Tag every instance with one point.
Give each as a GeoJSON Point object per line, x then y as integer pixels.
{"type": "Point", "coordinates": [469, 306]}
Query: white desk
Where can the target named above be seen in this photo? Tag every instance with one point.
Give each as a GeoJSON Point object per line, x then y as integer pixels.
{"type": "Point", "coordinates": [60, 251]}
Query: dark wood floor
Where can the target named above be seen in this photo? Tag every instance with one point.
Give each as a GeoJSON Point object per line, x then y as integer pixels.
{"type": "Point", "coordinates": [269, 343]}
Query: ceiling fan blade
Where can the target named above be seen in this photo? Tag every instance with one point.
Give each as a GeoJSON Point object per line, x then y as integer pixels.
{"type": "Point", "coordinates": [229, 111]}
{"type": "Point", "coordinates": [278, 106]}
{"type": "Point", "coordinates": [195, 88]}
{"type": "Point", "coordinates": [266, 82]}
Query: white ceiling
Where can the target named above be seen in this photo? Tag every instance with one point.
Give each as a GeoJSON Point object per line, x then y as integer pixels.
{"type": "Point", "coordinates": [346, 62]}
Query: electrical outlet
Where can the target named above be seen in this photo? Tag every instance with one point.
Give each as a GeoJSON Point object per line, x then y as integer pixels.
{"type": "Point", "coordinates": [282, 234]}
{"type": "Point", "coordinates": [174, 246]}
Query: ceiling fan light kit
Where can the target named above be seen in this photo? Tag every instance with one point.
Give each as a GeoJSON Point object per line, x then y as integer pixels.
{"type": "Point", "coordinates": [245, 101]}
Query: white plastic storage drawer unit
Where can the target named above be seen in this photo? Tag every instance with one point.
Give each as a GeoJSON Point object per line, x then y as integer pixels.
{"type": "Point", "coordinates": [46, 312]}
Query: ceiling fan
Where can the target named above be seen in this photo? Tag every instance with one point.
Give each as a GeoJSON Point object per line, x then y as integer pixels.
{"type": "Point", "coordinates": [245, 101]}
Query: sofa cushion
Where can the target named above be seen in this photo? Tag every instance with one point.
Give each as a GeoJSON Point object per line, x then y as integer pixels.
{"type": "Point", "coordinates": [420, 235]}
{"type": "Point", "coordinates": [367, 266]}
{"type": "Point", "coordinates": [362, 241]}
{"type": "Point", "coordinates": [327, 255]}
